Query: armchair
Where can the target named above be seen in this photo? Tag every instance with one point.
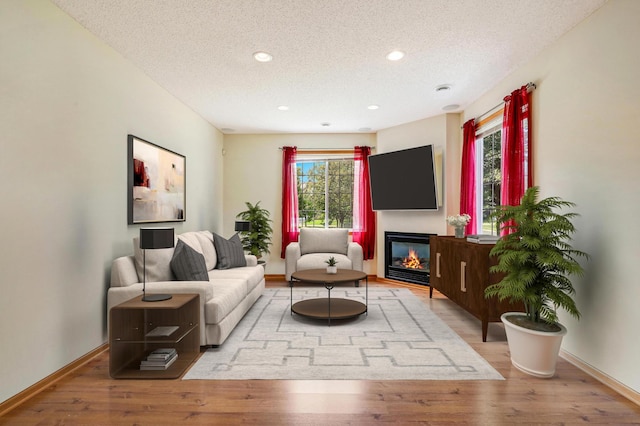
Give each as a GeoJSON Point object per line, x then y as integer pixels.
{"type": "Point", "coordinates": [317, 245]}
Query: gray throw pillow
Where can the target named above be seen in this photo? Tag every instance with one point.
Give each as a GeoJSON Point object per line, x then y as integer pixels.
{"type": "Point", "coordinates": [187, 264]}
{"type": "Point", "coordinates": [230, 252]}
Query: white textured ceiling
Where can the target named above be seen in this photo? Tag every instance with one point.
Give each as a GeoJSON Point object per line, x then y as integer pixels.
{"type": "Point", "coordinates": [328, 55]}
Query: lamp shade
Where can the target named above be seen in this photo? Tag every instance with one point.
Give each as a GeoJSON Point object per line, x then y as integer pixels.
{"type": "Point", "coordinates": [243, 226]}
{"type": "Point", "coordinates": [156, 238]}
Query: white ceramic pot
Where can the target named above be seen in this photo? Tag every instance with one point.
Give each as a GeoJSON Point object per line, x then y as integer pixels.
{"type": "Point", "coordinates": [332, 269]}
{"type": "Point", "coordinates": [533, 352]}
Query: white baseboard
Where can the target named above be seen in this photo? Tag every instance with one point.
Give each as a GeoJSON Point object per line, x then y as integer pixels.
{"type": "Point", "coordinates": [607, 380]}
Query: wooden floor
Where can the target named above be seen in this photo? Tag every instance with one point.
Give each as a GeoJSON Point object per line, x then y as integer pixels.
{"type": "Point", "coordinates": [89, 397]}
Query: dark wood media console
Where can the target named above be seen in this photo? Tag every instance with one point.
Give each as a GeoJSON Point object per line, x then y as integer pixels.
{"type": "Point", "coordinates": [460, 271]}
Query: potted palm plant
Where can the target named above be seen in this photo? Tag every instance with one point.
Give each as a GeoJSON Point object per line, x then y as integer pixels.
{"type": "Point", "coordinates": [257, 240]}
{"type": "Point", "coordinates": [536, 259]}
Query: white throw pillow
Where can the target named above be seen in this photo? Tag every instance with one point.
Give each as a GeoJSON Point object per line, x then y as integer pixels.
{"type": "Point", "coordinates": [157, 263]}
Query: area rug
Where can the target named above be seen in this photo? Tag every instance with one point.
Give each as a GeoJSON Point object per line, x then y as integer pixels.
{"type": "Point", "coordinates": [398, 339]}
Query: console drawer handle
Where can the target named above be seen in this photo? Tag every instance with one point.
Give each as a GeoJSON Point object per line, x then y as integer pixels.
{"type": "Point", "coordinates": [463, 279]}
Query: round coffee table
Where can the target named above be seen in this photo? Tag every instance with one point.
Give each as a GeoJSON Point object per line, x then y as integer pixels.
{"type": "Point", "coordinates": [329, 308]}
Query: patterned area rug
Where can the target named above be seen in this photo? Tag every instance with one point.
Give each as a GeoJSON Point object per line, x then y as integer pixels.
{"type": "Point", "coordinates": [398, 339]}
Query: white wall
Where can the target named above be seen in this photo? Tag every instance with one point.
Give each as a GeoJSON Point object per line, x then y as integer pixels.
{"type": "Point", "coordinates": [253, 172]}
{"type": "Point", "coordinates": [586, 148]}
{"type": "Point", "coordinates": [67, 103]}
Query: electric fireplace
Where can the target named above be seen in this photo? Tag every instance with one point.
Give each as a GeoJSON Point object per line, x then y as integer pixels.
{"type": "Point", "coordinates": [406, 257]}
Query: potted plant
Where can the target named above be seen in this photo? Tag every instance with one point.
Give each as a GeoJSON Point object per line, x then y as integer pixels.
{"type": "Point", "coordinates": [331, 265]}
{"type": "Point", "coordinates": [257, 240]}
{"type": "Point", "coordinates": [536, 259]}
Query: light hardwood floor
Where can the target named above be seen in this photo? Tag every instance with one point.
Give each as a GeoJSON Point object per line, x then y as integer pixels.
{"type": "Point", "coordinates": [89, 397]}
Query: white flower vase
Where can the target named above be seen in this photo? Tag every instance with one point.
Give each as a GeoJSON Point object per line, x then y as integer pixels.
{"type": "Point", "coordinates": [332, 269]}
{"type": "Point", "coordinates": [459, 231]}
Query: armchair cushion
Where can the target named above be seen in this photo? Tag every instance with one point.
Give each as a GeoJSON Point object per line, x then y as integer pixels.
{"type": "Point", "coordinates": [323, 240]}
{"type": "Point", "coordinates": [317, 261]}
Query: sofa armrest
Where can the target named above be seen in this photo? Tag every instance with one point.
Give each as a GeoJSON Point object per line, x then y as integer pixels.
{"type": "Point", "coordinates": [354, 252]}
{"type": "Point", "coordinates": [291, 256]}
{"type": "Point", "coordinates": [251, 260]}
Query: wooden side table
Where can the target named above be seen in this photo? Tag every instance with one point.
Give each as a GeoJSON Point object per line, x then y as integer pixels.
{"type": "Point", "coordinates": [131, 335]}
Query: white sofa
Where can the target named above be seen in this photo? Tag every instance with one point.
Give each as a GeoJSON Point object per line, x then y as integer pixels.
{"type": "Point", "coordinates": [316, 245]}
{"type": "Point", "coordinates": [224, 299]}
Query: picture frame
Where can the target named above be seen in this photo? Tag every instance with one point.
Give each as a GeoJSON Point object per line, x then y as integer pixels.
{"type": "Point", "coordinates": [156, 183]}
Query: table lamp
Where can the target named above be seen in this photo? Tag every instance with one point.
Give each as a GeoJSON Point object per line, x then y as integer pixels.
{"type": "Point", "coordinates": [243, 226]}
{"type": "Point", "coordinates": [150, 239]}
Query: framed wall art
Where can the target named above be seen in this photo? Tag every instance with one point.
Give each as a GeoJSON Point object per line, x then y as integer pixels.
{"type": "Point", "coordinates": [156, 183]}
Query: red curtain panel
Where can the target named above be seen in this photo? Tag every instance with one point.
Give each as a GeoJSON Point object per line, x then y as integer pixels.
{"type": "Point", "coordinates": [364, 218]}
{"type": "Point", "coordinates": [289, 198]}
{"type": "Point", "coordinates": [468, 175]}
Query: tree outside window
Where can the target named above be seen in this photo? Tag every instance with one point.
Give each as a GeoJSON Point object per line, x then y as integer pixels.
{"type": "Point", "coordinates": [491, 178]}
{"type": "Point", "coordinates": [325, 193]}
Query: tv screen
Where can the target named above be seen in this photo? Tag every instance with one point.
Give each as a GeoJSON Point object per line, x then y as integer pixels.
{"type": "Point", "coordinates": [404, 180]}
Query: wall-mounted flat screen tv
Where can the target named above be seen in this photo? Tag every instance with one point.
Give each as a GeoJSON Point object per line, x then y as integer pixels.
{"type": "Point", "coordinates": [404, 180]}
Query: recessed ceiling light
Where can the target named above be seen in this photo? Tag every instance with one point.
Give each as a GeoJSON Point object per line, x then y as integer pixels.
{"type": "Point", "coordinates": [283, 108]}
{"type": "Point", "coordinates": [451, 107]}
{"type": "Point", "coordinates": [373, 107]}
{"type": "Point", "coordinates": [262, 57]}
{"type": "Point", "coordinates": [364, 129]}
{"type": "Point", "coordinates": [325, 124]}
{"type": "Point", "coordinates": [227, 130]}
{"type": "Point", "coordinates": [396, 55]}
{"type": "Point", "coordinates": [443, 88]}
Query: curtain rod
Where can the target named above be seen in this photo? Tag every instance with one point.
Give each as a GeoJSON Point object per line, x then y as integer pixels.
{"type": "Point", "coordinates": [531, 86]}
{"type": "Point", "coordinates": [326, 149]}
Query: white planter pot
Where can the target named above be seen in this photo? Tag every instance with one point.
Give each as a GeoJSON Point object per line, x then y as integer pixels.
{"type": "Point", "coordinates": [533, 352]}
{"type": "Point", "coordinates": [332, 269]}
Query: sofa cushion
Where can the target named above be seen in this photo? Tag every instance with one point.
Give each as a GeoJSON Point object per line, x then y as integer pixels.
{"type": "Point", "coordinates": [157, 263]}
{"type": "Point", "coordinates": [251, 276]}
{"type": "Point", "coordinates": [187, 264]}
{"type": "Point", "coordinates": [323, 240]}
{"type": "Point", "coordinates": [202, 242]}
{"type": "Point", "coordinates": [230, 252]}
{"type": "Point", "coordinates": [227, 295]}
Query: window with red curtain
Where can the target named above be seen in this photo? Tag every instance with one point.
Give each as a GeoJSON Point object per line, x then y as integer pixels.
{"type": "Point", "coordinates": [364, 219]}
{"type": "Point", "coordinates": [516, 162]}
{"type": "Point", "coordinates": [468, 176]}
{"type": "Point", "coordinates": [516, 149]}
{"type": "Point", "coordinates": [289, 198]}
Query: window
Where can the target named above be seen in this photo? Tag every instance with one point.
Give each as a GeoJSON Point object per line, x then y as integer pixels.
{"type": "Point", "coordinates": [502, 166]}
{"type": "Point", "coordinates": [325, 192]}
{"type": "Point", "coordinates": [489, 174]}
{"type": "Point", "coordinates": [489, 155]}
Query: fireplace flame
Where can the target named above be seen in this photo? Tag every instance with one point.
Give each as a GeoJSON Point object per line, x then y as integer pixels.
{"type": "Point", "coordinates": [412, 261]}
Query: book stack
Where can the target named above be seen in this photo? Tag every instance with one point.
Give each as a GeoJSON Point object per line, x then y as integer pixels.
{"type": "Point", "coordinates": [483, 239]}
{"type": "Point", "coordinates": [159, 359]}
